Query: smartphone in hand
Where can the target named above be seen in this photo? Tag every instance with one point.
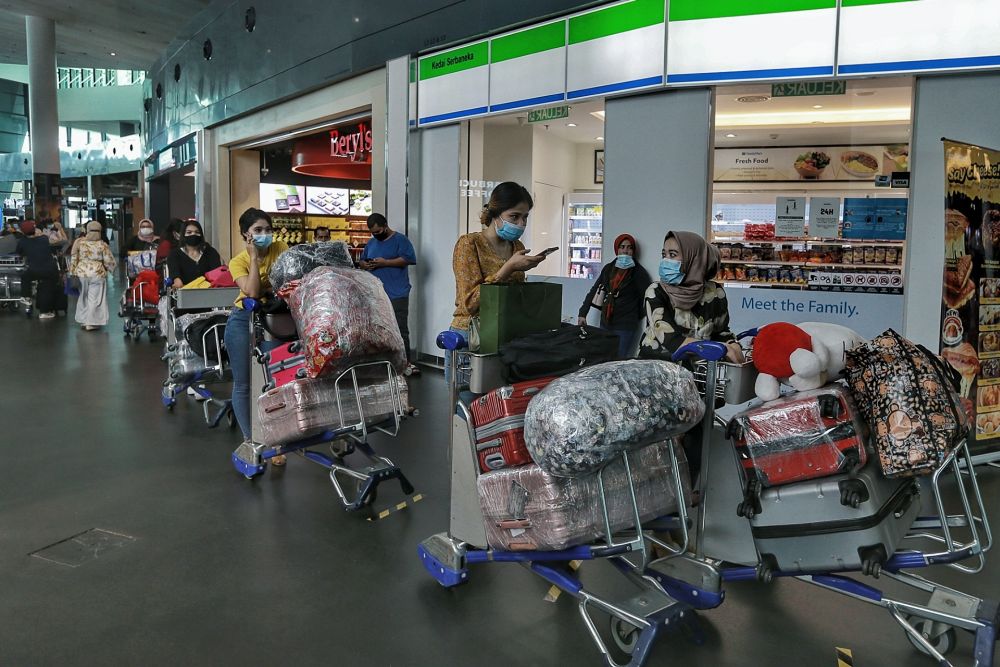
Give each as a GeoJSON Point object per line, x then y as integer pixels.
{"type": "Point", "coordinates": [548, 251]}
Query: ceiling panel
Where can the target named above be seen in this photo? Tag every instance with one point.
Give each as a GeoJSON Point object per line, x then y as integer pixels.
{"type": "Point", "coordinates": [87, 33]}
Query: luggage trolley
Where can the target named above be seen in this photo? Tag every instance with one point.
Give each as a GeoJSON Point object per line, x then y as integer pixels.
{"type": "Point", "coordinates": [188, 370]}
{"type": "Point", "coordinates": [356, 486]}
{"type": "Point", "coordinates": [140, 316]}
{"type": "Point", "coordinates": [645, 607]}
{"type": "Point", "coordinates": [12, 268]}
{"type": "Point", "coordinates": [723, 548]}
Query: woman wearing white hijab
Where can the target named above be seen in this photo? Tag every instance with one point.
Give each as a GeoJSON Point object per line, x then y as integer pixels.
{"type": "Point", "coordinates": [91, 261]}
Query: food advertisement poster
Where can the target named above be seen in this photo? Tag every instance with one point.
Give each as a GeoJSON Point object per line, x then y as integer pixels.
{"type": "Point", "coordinates": [809, 163]}
{"type": "Point", "coordinates": [282, 198]}
{"type": "Point", "coordinates": [970, 313]}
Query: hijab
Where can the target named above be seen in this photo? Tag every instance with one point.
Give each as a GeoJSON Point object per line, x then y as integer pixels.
{"type": "Point", "coordinates": [699, 263]}
{"type": "Point", "coordinates": [618, 277]}
{"type": "Point", "coordinates": [93, 231]}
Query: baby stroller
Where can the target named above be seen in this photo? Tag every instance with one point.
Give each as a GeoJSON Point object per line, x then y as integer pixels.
{"type": "Point", "coordinates": [139, 306]}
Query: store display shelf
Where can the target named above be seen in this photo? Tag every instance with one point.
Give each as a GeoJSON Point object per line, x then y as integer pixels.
{"type": "Point", "coordinates": [584, 245]}
{"type": "Point", "coordinates": [811, 241]}
{"type": "Point", "coordinates": [744, 284]}
{"type": "Point", "coordinates": [585, 217]}
{"type": "Point", "coordinates": [813, 265]}
{"type": "Point", "coordinates": [577, 230]}
{"type": "Point", "coordinates": [585, 261]}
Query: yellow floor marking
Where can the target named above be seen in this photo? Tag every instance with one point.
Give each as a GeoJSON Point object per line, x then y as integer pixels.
{"type": "Point", "coordinates": [845, 657]}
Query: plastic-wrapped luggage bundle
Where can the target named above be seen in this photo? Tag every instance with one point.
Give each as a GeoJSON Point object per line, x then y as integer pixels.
{"type": "Point", "coordinates": [582, 420]}
{"type": "Point", "coordinates": [525, 508]}
{"type": "Point", "coordinates": [802, 436]}
{"type": "Point", "coordinates": [185, 363]}
{"type": "Point", "coordinates": [298, 261]}
{"type": "Point", "coordinates": [307, 407]}
{"type": "Point", "coordinates": [344, 318]}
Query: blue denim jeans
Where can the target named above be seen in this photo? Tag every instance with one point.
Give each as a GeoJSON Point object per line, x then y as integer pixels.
{"type": "Point", "coordinates": [626, 338]}
{"type": "Point", "coordinates": [240, 349]}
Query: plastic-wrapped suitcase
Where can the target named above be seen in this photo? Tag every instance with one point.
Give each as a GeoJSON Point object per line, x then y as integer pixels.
{"type": "Point", "coordinates": [803, 436]}
{"type": "Point", "coordinates": [306, 407]}
{"type": "Point", "coordinates": [499, 420]}
{"type": "Point", "coordinates": [527, 509]}
{"type": "Point", "coordinates": [835, 523]}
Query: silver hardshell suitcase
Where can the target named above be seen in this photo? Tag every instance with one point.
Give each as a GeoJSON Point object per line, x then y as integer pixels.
{"type": "Point", "coordinates": [835, 523]}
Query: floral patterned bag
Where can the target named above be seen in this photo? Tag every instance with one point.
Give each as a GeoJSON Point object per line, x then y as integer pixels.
{"type": "Point", "coordinates": [909, 397]}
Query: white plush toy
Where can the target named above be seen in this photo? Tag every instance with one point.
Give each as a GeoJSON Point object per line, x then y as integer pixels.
{"type": "Point", "coordinates": [804, 356]}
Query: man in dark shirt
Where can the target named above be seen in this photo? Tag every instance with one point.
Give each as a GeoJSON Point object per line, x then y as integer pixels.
{"type": "Point", "coordinates": [34, 247]}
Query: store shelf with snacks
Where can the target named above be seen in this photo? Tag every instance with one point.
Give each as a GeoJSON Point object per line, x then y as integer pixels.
{"type": "Point", "coordinates": [808, 265]}
{"type": "Point", "coordinates": [585, 261]}
{"type": "Point", "coordinates": [586, 217]}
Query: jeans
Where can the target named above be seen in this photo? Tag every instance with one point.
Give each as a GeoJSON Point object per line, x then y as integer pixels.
{"type": "Point", "coordinates": [239, 349]}
{"type": "Point", "coordinates": [461, 356]}
{"type": "Point", "coordinates": [626, 338]}
{"type": "Point", "coordinates": [401, 308]}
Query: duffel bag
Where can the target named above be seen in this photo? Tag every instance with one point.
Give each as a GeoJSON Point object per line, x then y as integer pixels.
{"type": "Point", "coordinates": [557, 352]}
{"type": "Point", "coordinates": [296, 262]}
{"type": "Point", "coordinates": [909, 397]}
{"type": "Point", "coordinates": [581, 421]}
{"type": "Point", "coordinates": [192, 328]}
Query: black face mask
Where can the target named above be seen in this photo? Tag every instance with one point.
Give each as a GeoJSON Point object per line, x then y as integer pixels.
{"type": "Point", "coordinates": [193, 240]}
{"type": "Point", "coordinates": [381, 237]}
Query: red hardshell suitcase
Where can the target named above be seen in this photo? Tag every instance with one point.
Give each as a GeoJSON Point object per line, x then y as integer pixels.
{"type": "Point", "coordinates": [499, 420]}
{"type": "Point", "coordinates": [803, 436]}
{"type": "Point", "coordinates": [285, 363]}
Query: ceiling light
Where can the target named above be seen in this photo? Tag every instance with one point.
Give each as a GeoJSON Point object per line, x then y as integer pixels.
{"type": "Point", "coordinates": [865, 93]}
{"type": "Point", "coordinates": [357, 19]}
{"type": "Point", "coordinates": [752, 99]}
{"type": "Point", "coordinates": [725, 121]}
{"type": "Point", "coordinates": [113, 53]}
{"type": "Point", "coordinates": [599, 138]}
{"type": "Point", "coordinates": [730, 136]}
{"type": "Point", "coordinates": [570, 124]}
{"type": "Point", "coordinates": [599, 115]}
{"type": "Point", "coordinates": [817, 106]}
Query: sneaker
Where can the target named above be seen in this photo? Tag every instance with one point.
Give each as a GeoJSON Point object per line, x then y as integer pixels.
{"type": "Point", "coordinates": [198, 397]}
{"type": "Point", "coordinates": [46, 316]}
{"type": "Point", "coordinates": [411, 369]}
{"type": "Point", "coordinates": [25, 302]}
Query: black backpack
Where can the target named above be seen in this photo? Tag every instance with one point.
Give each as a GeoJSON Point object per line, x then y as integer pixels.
{"type": "Point", "coordinates": [557, 352]}
{"type": "Point", "coordinates": [195, 332]}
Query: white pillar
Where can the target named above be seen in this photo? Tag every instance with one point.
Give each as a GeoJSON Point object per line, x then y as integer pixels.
{"type": "Point", "coordinates": [43, 114]}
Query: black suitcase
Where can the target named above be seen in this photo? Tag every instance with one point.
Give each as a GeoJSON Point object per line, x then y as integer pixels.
{"type": "Point", "coordinates": [557, 352]}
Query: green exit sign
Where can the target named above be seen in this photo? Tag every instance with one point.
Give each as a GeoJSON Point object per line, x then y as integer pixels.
{"type": "Point", "coordinates": [808, 88]}
{"type": "Point", "coordinates": [552, 113]}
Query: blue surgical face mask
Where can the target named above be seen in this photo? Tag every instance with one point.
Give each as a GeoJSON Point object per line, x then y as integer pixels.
{"type": "Point", "coordinates": [508, 231]}
{"type": "Point", "coordinates": [263, 240]}
{"type": "Point", "coordinates": [624, 261]}
{"type": "Point", "coordinates": [670, 271]}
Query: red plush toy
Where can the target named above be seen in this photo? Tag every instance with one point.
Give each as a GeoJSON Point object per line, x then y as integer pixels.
{"type": "Point", "coordinates": [773, 347]}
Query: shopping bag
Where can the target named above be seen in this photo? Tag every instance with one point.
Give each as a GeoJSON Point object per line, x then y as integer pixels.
{"type": "Point", "coordinates": [71, 286]}
{"type": "Point", "coordinates": [513, 310]}
{"type": "Point", "coordinates": [220, 277]}
{"type": "Point", "coordinates": [137, 262]}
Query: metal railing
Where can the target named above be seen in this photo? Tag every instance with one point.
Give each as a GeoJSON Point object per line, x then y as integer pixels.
{"type": "Point", "coordinates": [81, 77]}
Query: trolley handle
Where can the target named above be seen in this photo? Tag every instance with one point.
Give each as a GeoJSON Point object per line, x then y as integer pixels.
{"type": "Point", "coordinates": [451, 340]}
{"type": "Point", "coordinates": [749, 333]}
{"type": "Point", "coordinates": [708, 350]}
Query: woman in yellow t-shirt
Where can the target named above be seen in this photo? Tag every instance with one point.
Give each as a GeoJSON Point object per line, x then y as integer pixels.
{"type": "Point", "coordinates": [250, 270]}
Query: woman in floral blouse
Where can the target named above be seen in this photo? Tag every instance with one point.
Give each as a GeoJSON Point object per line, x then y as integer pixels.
{"type": "Point", "coordinates": [686, 305]}
{"type": "Point", "coordinates": [494, 255]}
{"type": "Point", "coordinates": [91, 261]}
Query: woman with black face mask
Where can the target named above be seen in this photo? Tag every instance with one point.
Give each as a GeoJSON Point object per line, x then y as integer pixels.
{"type": "Point", "coordinates": [193, 258]}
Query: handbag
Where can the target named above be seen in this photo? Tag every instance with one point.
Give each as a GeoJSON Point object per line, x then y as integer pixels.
{"type": "Point", "coordinates": [909, 396]}
{"type": "Point", "coordinates": [599, 296]}
{"type": "Point", "coordinates": [511, 310]}
{"type": "Point", "coordinates": [72, 286]}
{"type": "Point", "coordinates": [220, 277]}
{"type": "Point", "coordinates": [137, 262]}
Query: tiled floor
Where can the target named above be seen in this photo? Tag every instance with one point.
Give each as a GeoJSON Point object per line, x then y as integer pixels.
{"type": "Point", "coordinates": [226, 571]}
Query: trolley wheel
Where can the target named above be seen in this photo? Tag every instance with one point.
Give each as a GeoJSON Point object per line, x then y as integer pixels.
{"type": "Point", "coordinates": [625, 635]}
{"type": "Point", "coordinates": [945, 640]}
